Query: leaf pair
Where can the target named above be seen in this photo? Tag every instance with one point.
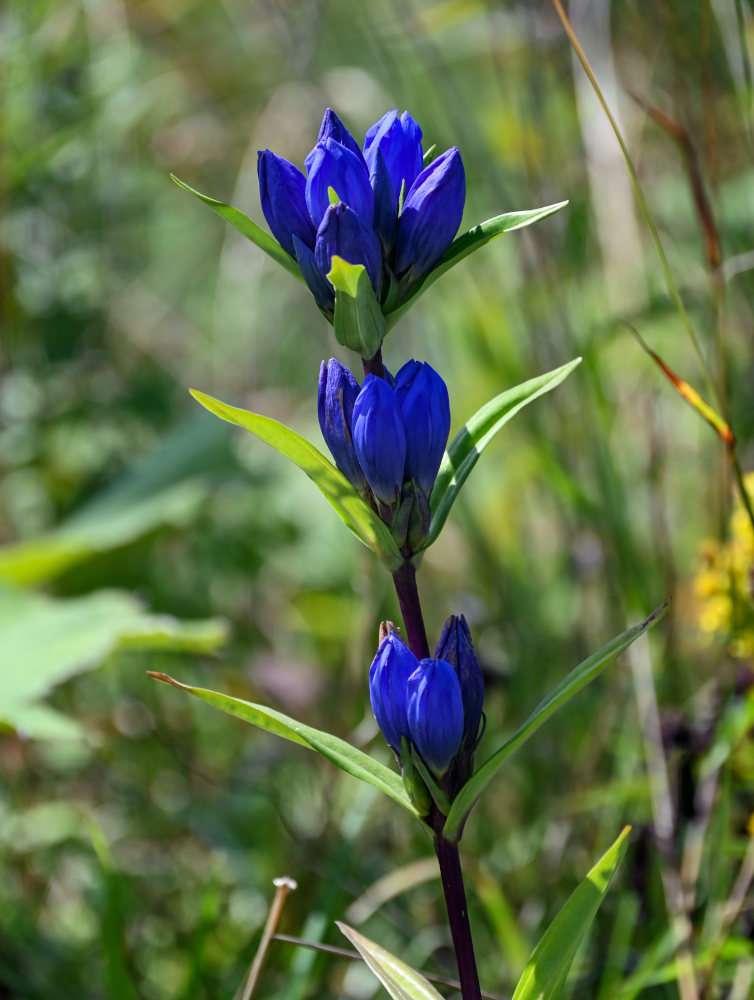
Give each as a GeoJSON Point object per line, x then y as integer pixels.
{"type": "Point", "coordinates": [459, 460]}
{"type": "Point", "coordinates": [546, 971]}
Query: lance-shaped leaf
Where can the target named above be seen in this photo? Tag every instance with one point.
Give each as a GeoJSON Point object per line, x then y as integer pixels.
{"type": "Point", "coordinates": [467, 243]}
{"type": "Point", "coordinates": [476, 434]}
{"type": "Point", "coordinates": [247, 228]}
{"type": "Point", "coordinates": [357, 514]}
{"type": "Point", "coordinates": [546, 971]}
{"type": "Point", "coordinates": [563, 692]}
{"type": "Point", "coordinates": [400, 980]}
{"type": "Point", "coordinates": [347, 757]}
{"type": "Point", "coordinates": [358, 322]}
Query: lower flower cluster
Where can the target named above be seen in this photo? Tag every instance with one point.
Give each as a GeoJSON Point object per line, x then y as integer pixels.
{"type": "Point", "coordinates": [434, 705]}
{"type": "Point", "coordinates": [388, 438]}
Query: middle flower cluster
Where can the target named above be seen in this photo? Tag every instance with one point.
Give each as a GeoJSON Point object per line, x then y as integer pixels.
{"type": "Point", "coordinates": [388, 436]}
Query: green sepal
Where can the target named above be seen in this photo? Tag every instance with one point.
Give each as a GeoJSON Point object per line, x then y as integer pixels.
{"type": "Point", "coordinates": [441, 799]}
{"type": "Point", "coordinates": [247, 228]}
{"type": "Point", "coordinates": [358, 321]}
{"type": "Point", "coordinates": [475, 435]}
{"type": "Point", "coordinates": [429, 156]}
{"type": "Point", "coordinates": [348, 503]}
{"type": "Point", "coordinates": [574, 682]}
{"type": "Point", "coordinates": [467, 243]}
{"type": "Point", "coordinates": [547, 969]}
{"type": "Point", "coordinates": [337, 751]}
{"type": "Point", "coordinates": [416, 789]}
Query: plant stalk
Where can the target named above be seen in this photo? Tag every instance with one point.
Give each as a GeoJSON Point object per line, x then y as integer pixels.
{"type": "Point", "coordinates": [404, 579]}
{"type": "Point", "coordinates": [458, 916]}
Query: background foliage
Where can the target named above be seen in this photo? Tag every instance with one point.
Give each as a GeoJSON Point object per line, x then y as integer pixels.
{"type": "Point", "coordinates": [140, 830]}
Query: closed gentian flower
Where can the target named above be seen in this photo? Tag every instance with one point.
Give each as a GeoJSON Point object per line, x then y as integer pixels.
{"type": "Point", "coordinates": [282, 189]}
{"type": "Point", "coordinates": [435, 713]}
{"type": "Point", "coordinates": [422, 399]}
{"type": "Point", "coordinates": [336, 395]}
{"type": "Point", "coordinates": [333, 128]}
{"type": "Point", "coordinates": [388, 680]}
{"type": "Point", "coordinates": [343, 233]}
{"type": "Point", "coordinates": [431, 215]}
{"type": "Point", "coordinates": [315, 280]}
{"type": "Point", "coordinates": [393, 154]}
{"type": "Point", "coordinates": [335, 166]}
{"type": "Point", "coordinates": [456, 647]}
{"type": "Point", "coordinates": [379, 438]}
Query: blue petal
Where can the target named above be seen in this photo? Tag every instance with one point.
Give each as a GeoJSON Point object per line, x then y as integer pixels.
{"type": "Point", "coordinates": [422, 400]}
{"type": "Point", "coordinates": [334, 166]}
{"type": "Point", "coordinates": [456, 647]}
{"type": "Point", "coordinates": [400, 142]}
{"type": "Point", "coordinates": [333, 128]}
{"type": "Point", "coordinates": [379, 438]}
{"type": "Point", "coordinates": [431, 216]}
{"type": "Point", "coordinates": [316, 282]}
{"type": "Point", "coordinates": [337, 392]}
{"type": "Point", "coordinates": [388, 678]}
{"type": "Point", "coordinates": [342, 233]}
{"type": "Point", "coordinates": [282, 189]}
{"type": "Point", "coordinates": [435, 713]}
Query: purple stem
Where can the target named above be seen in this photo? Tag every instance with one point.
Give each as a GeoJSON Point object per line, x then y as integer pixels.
{"type": "Point", "coordinates": [458, 916]}
{"type": "Point", "coordinates": [404, 579]}
{"type": "Point", "coordinates": [373, 366]}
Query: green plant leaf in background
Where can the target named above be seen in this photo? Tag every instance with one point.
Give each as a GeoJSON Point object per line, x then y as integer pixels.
{"type": "Point", "coordinates": [547, 969]}
{"type": "Point", "coordinates": [44, 641]}
{"type": "Point", "coordinates": [337, 751]}
{"type": "Point", "coordinates": [358, 322]}
{"type": "Point", "coordinates": [578, 679]}
{"type": "Point", "coordinates": [400, 980]}
{"type": "Point", "coordinates": [359, 517]}
{"type": "Point", "coordinates": [247, 228]}
{"type": "Point", "coordinates": [476, 434]}
{"type": "Point", "coordinates": [467, 243]}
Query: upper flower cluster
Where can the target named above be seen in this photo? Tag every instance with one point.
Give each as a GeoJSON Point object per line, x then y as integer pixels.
{"type": "Point", "coordinates": [380, 208]}
{"type": "Point", "coordinates": [435, 703]}
{"type": "Point", "coordinates": [388, 438]}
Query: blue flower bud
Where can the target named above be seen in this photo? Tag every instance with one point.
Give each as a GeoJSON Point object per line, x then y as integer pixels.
{"type": "Point", "coordinates": [422, 399]}
{"type": "Point", "coordinates": [333, 128]}
{"type": "Point", "coordinates": [379, 438]}
{"type": "Point", "coordinates": [336, 395]}
{"type": "Point", "coordinates": [342, 233]}
{"type": "Point", "coordinates": [335, 166]}
{"type": "Point", "coordinates": [388, 679]}
{"type": "Point", "coordinates": [400, 142]}
{"type": "Point", "coordinates": [316, 282]}
{"type": "Point", "coordinates": [456, 647]}
{"type": "Point", "coordinates": [282, 189]}
{"type": "Point", "coordinates": [431, 215]}
{"type": "Point", "coordinates": [435, 713]}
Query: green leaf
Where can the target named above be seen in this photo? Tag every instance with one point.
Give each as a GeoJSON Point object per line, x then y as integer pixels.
{"type": "Point", "coordinates": [400, 980]}
{"type": "Point", "coordinates": [45, 641]}
{"type": "Point", "coordinates": [563, 692]}
{"type": "Point", "coordinates": [247, 228]}
{"type": "Point", "coordinates": [359, 764]}
{"type": "Point", "coordinates": [467, 243]}
{"type": "Point", "coordinates": [547, 969]}
{"type": "Point", "coordinates": [357, 514]}
{"type": "Point", "coordinates": [358, 322]}
{"type": "Point", "coordinates": [476, 434]}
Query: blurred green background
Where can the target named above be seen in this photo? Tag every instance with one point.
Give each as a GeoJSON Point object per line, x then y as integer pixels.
{"type": "Point", "coordinates": [139, 831]}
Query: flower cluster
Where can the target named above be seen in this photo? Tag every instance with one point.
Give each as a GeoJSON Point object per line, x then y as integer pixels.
{"type": "Point", "coordinates": [380, 208]}
{"type": "Point", "coordinates": [388, 438]}
{"type": "Point", "coordinates": [436, 703]}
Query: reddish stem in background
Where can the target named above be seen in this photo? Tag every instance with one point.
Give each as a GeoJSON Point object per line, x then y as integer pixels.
{"type": "Point", "coordinates": [404, 579]}
{"type": "Point", "coordinates": [373, 366]}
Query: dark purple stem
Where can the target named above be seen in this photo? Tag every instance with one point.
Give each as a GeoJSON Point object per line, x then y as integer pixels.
{"type": "Point", "coordinates": [458, 917]}
{"type": "Point", "coordinates": [404, 579]}
{"type": "Point", "coordinates": [373, 366]}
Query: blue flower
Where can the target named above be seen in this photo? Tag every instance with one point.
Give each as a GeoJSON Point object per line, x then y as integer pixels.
{"type": "Point", "coordinates": [335, 166]}
{"type": "Point", "coordinates": [456, 647]}
{"type": "Point", "coordinates": [333, 128]}
{"type": "Point", "coordinates": [336, 395]}
{"type": "Point", "coordinates": [431, 216]}
{"type": "Point", "coordinates": [379, 438]}
{"type": "Point", "coordinates": [422, 400]}
{"type": "Point", "coordinates": [435, 713]}
{"type": "Point", "coordinates": [343, 233]}
{"type": "Point", "coordinates": [388, 680]}
{"type": "Point", "coordinates": [282, 190]}
{"type": "Point", "coordinates": [393, 154]}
